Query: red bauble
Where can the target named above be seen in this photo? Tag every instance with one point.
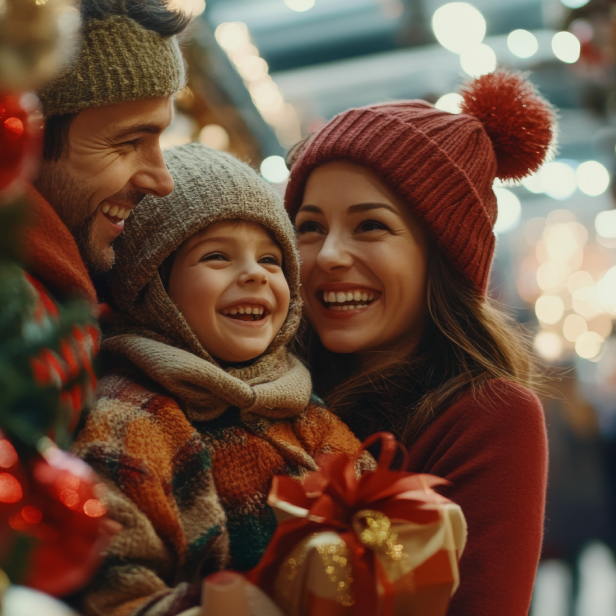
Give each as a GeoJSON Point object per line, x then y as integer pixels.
{"type": "Point", "coordinates": [53, 500]}
{"type": "Point", "coordinates": [20, 138]}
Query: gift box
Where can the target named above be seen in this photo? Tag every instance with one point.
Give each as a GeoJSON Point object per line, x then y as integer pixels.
{"type": "Point", "coordinates": [383, 544]}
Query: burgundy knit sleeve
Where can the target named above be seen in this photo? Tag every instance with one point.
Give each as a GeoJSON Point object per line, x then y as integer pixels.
{"type": "Point", "coordinates": [493, 450]}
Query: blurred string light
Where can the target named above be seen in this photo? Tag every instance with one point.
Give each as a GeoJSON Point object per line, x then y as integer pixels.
{"type": "Point", "coordinates": [449, 102]}
{"type": "Point", "coordinates": [548, 344]}
{"type": "Point", "coordinates": [509, 211]}
{"type": "Point", "coordinates": [522, 43]}
{"type": "Point", "coordinates": [274, 169]}
{"type": "Point", "coordinates": [190, 7]}
{"type": "Point", "coordinates": [458, 26]}
{"type": "Point", "coordinates": [479, 60]}
{"type": "Point", "coordinates": [234, 38]}
{"type": "Point", "coordinates": [575, 310]}
{"type": "Point", "coordinates": [593, 178]}
{"type": "Point", "coordinates": [214, 136]}
{"type": "Point", "coordinates": [574, 4]}
{"type": "Point", "coordinates": [299, 5]}
{"type": "Point", "coordinates": [605, 224]}
{"type": "Point", "coordinates": [566, 47]}
{"type": "Point", "coordinates": [559, 179]}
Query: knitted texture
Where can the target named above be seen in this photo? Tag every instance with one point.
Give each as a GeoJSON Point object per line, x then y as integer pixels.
{"type": "Point", "coordinates": [186, 448]}
{"type": "Point", "coordinates": [442, 164]}
{"type": "Point", "coordinates": [210, 186]}
{"type": "Point", "coordinates": [119, 61]}
{"type": "Point", "coordinates": [191, 496]}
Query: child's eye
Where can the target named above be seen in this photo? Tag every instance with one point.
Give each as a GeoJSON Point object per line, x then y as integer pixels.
{"type": "Point", "coordinates": [214, 256]}
{"type": "Point", "coordinates": [372, 225]}
{"type": "Point", "coordinates": [270, 261]}
{"type": "Point", "coordinates": [310, 226]}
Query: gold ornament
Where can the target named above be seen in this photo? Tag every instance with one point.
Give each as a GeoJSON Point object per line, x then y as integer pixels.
{"type": "Point", "coordinates": [37, 37]}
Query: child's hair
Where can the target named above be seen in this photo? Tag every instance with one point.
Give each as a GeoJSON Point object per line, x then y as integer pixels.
{"type": "Point", "coordinates": [468, 341]}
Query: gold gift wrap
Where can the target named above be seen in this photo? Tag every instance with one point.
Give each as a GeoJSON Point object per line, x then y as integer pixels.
{"type": "Point", "coordinates": [415, 565]}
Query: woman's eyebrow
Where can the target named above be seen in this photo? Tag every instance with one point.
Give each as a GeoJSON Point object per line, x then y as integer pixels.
{"type": "Point", "coordinates": [366, 207]}
{"type": "Point", "coordinates": [313, 209]}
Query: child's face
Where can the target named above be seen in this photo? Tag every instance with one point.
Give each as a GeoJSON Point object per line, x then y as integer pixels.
{"type": "Point", "coordinates": [228, 283]}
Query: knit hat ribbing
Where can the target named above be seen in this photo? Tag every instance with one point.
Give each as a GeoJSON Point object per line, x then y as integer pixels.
{"type": "Point", "coordinates": [442, 164]}
{"type": "Point", "coordinates": [210, 186]}
{"type": "Point", "coordinates": [119, 61]}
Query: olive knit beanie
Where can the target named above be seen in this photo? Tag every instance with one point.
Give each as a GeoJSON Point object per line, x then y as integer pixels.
{"type": "Point", "coordinates": [210, 186]}
{"type": "Point", "coordinates": [442, 164]}
{"type": "Point", "coordinates": [118, 61]}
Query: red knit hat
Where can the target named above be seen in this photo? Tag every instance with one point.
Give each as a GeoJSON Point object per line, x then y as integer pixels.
{"type": "Point", "coordinates": [442, 164]}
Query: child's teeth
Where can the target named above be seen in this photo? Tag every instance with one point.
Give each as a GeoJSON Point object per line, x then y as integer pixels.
{"type": "Point", "coordinates": [240, 310]}
{"type": "Point", "coordinates": [357, 296]}
{"type": "Point", "coordinates": [233, 311]}
{"type": "Point", "coordinates": [105, 209]}
{"type": "Point", "coordinates": [248, 310]}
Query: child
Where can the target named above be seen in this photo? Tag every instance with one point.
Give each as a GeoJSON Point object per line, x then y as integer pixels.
{"type": "Point", "coordinates": [204, 403]}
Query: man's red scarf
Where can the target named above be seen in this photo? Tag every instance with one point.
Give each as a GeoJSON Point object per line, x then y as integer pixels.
{"type": "Point", "coordinates": [51, 254]}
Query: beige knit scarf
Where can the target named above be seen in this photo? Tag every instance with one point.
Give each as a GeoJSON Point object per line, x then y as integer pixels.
{"type": "Point", "coordinates": [275, 386]}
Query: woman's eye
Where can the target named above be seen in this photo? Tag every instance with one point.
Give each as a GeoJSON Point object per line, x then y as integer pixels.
{"type": "Point", "coordinates": [309, 227]}
{"type": "Point", "coordinates": [372, 225]}
{"type": "Point", "coordinates": [216, 256]}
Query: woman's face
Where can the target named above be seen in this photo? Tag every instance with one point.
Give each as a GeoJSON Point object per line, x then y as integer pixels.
{"type": "Point", "coordinates": [364, 261]}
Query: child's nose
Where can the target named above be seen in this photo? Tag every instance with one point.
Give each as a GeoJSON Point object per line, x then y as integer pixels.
{"type": "Point", "coordinates": [254, 275]}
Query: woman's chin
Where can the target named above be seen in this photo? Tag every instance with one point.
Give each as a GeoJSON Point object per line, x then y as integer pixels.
{"type": "Point", "coordinates": [342, 342]}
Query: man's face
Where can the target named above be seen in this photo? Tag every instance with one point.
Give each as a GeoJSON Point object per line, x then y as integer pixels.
{"type": "Point", "coordinates": [112, 161]}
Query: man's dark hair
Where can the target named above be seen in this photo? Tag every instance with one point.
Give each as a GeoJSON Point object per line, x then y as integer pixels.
{"type": "Point", "coordinates": [155, 15]}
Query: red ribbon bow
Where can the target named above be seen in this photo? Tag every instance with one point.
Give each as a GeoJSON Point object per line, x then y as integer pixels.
{"type": "Point", "coordinates": [332, 496]}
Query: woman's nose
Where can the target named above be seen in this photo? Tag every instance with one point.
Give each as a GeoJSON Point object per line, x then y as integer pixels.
{"type": "Point", "coordinates": [334, 254]}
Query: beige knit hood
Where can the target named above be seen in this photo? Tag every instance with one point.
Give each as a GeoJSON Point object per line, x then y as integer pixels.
{"type": "Point", "coordinates": [210, 186]}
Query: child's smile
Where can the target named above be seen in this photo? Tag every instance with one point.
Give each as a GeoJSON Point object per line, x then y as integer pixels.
{"type": "Point", "coordinates": [228, 283]}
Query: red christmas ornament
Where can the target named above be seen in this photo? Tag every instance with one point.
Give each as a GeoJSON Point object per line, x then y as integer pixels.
{"type": "Point", "coordinates": [20, 138]}
{"type": "Point", "coordinates": [518, 121]}
{"type": "Point", "coordinates": [53, 500]}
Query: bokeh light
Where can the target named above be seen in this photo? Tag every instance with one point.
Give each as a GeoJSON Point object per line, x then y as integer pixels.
{"type": "Point", "coordinates": [8, 455]}
{"type": "Point", "coordinates": [232, 35]}
{"type": "Point", "coordinates": [574, 4]}
{"type": "Point", "coordinates": [214, 136]}
{"type": "Point", "coordinates": [593, 178]}
{"type": "Point", "coordinates": [566, 47]}
{"type": "Point", "coordinates": [549, 345]}
{"type": "Point", "coordinates": [573, 327]}
{"type": "Point", "coordinates": [509, 210]}
{"type": "Point", "coordinates": [558, 180]}
{"type": "Point", "coordinates": [522, 43]}
{"type": "Point", "coordinates": [588, 345]}
{"type": "Point", "coordinates": [10, 489]}
{"type": "Point", "coordinates": [274, 169]}
{"type": "Point", "coordinates": [449, 102]}
{"type": "Point", "coordinates": [478, 60]}
{"type": "Point", "coordinates": [605, 223]}
{"type": "Point", "coordinates": [190, 7]}
{"type": "Point", "coordinates": [549, 309]}
{"type": "Point", "coordinates": [458, 26]}
{"type": "Point", "coordinates": [299, 5]}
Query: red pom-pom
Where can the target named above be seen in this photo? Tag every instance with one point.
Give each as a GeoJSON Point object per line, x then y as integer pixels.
{"type": "Point", "coordinates": [520, 124]}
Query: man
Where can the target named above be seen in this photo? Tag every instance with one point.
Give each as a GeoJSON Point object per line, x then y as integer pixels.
{"type": "Point", "coordinates": [104, 115]}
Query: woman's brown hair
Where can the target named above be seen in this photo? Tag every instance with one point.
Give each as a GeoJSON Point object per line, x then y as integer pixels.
{"type": "Point", "coordinates": [467, 342]}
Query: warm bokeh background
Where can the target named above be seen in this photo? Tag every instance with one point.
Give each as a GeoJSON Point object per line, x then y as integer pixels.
{"type": "Point", "coordinates": [264, 73]}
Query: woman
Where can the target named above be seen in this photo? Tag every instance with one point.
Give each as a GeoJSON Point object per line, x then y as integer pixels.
{"type": "Point", "coordinates": [394, 210]}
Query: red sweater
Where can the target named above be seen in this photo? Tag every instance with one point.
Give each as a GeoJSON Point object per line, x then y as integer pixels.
{"type": "Point", "coordinates": [493, 449]}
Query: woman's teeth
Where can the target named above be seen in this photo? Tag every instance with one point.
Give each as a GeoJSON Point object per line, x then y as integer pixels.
{"type": "Point", "coordinates": [342, 299]}
{"type": "Point", "coordinates": [116, 212]}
